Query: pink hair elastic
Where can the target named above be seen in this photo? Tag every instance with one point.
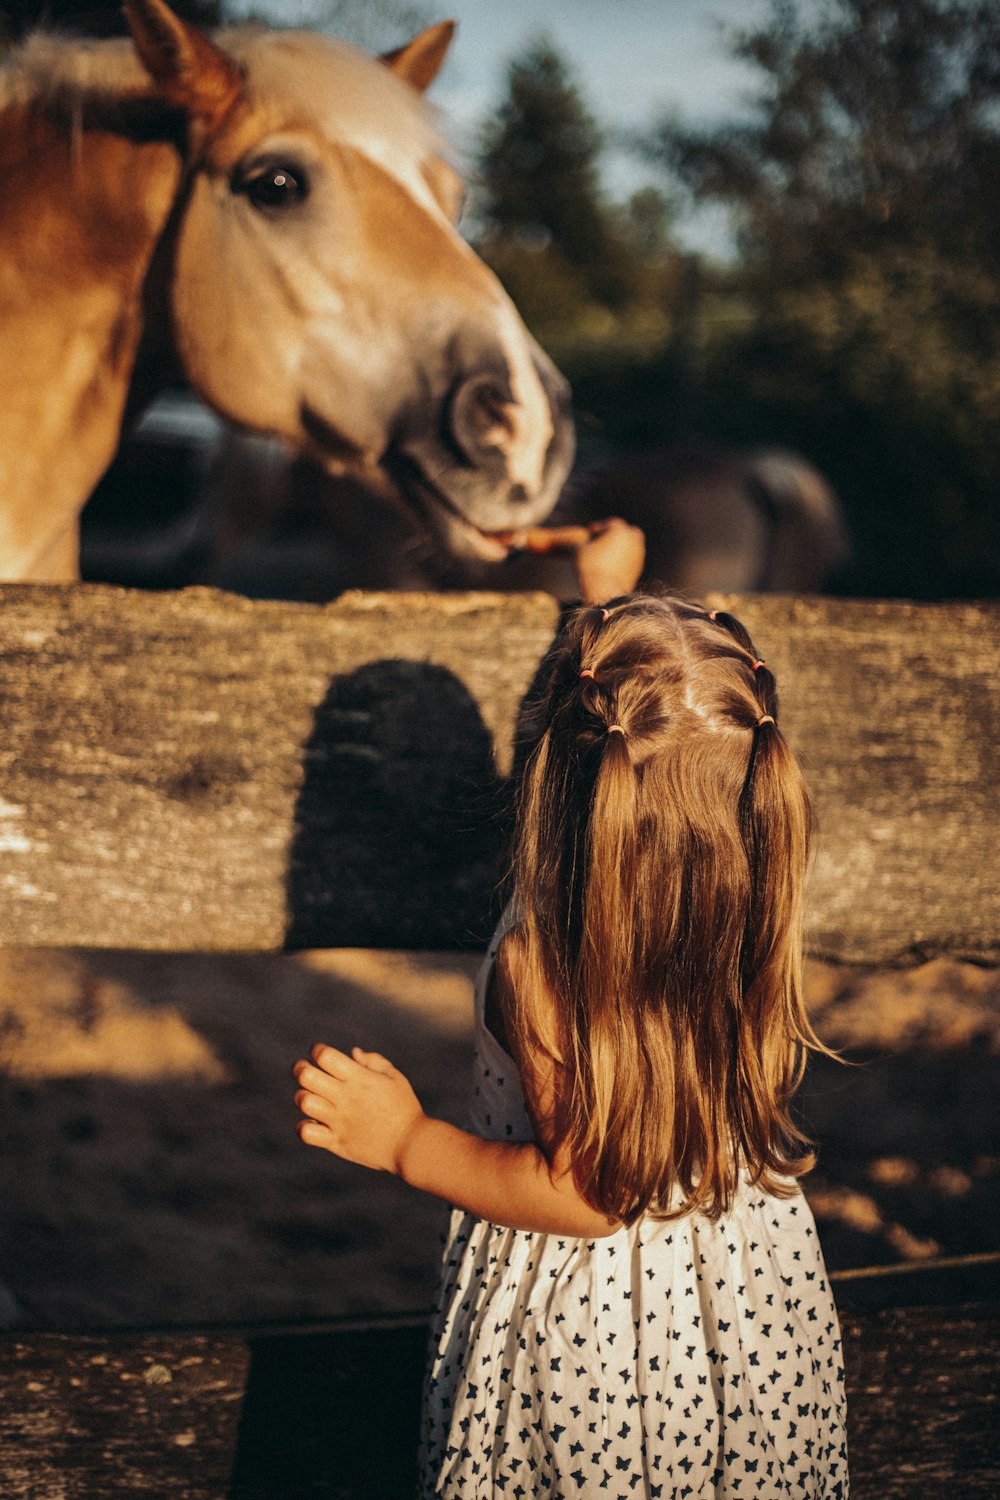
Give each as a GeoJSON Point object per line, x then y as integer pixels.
{"type": "Point", "coordinates": [713, 615]}
{"type": "Point", "coordinates": [605, 614]}
{"type": "Point", "coordinates": [587, 672]}
{"type": "Point", "coordinates": [615, 729]}
{"type": "Point", "coordinates": [758, 664]}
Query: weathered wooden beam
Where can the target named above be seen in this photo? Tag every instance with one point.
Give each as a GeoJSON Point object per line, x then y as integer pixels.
{"type": "Point", "coordinates": [334, 1413]}
{"type": "Point", "coordinates": [194, 771]}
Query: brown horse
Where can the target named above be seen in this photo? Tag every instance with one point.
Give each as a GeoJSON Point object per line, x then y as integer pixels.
{"type": "Point", "coordinates": [272, 216]}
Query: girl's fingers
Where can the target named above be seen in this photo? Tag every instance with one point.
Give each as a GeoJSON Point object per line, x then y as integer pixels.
{"type": "Point", "coordinates": [314, 1105]}
{"type": "Point", "coordinates": [312, 1133]}
{"type": "Point", "coordinates": [337, 1064]}
{"type": "Point", "coordinates": [606, 523]}
{"type": "Point", "coordinates": [314, 1079]}
{"type": "Point", "coordinates": [327, 1068]}
{"type": "Point", "coordinates": [373, 1060]}
{"type": "Point", "coordinates": [330, 1063]}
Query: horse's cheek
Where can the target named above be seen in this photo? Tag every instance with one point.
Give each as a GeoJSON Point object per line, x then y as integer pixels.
{"type": "Point", "coordinates": [271, 324]}
{"type": "Point", "coordinates": [238, 341]}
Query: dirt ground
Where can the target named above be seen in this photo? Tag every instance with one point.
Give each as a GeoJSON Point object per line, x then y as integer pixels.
{"type": "Point", "coordinates": [153, 1176]}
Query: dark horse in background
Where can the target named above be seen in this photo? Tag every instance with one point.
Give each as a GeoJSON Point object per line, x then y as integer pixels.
{"type": "Point", "coordinates": [263, 524]}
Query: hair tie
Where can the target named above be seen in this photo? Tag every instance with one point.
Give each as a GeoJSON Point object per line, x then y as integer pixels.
{"type": "Point", "coordinates": [757, 664]}
{"type": "Point", "coordinates": [713, 615]}
{"type": "Point", "coordinates": [605, 614]}
{"type": "Point", "coordinates": [587, 672]}
{"type": "Point", "coordinates": [615, 729]}
{"type": "Point", "coordinates": [764, 719]}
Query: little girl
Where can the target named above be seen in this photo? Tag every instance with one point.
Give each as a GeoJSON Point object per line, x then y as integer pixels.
{"type": "Point", "coordinates": [633, 1301]}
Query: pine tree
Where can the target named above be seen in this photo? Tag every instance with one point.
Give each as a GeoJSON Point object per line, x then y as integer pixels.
{"type": "Point", "coordinates": [540, 176]}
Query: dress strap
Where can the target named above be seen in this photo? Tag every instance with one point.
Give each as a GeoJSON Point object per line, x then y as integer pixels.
{"type": "Point", "coordinates": [508, 919]}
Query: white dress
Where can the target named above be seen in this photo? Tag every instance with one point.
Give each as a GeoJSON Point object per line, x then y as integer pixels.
{"type": "Point", "coordinates": [680, 1358]}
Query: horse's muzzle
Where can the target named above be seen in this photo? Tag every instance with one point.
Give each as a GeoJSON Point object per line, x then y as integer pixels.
{"type": "Point", "coordinates": [495, 460]}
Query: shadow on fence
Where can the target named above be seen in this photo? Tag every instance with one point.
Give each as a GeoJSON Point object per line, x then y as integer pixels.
{"type": "Point", "coordinates": [386, 818]}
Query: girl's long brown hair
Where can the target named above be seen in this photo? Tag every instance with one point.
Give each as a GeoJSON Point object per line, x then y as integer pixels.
{"type": "Point", "coordinates": [659, 876]}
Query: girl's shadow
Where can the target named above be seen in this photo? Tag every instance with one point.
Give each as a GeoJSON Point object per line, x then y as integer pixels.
{"type": "Point", "coordinates": [400, 821]}
{"type": "Point", "coordinates": [400, 828]}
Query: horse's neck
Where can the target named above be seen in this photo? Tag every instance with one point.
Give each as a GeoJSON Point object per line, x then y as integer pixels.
{"type": "Point", "coordinates": [83, 214]}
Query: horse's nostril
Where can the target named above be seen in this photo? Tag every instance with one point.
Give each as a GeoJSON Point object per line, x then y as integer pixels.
{"type": "Point", "coordinates": [483, 417]}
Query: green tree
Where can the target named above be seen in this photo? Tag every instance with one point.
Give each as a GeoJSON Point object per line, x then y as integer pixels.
{"type": "Point", "coordinates": [874, 126]}
{"type": "Point", "coordinates": [541, 185]}
{"type": "Point", "coordinates": [862, 190]}
{"type": "Point", "coordinates": [589, 275]}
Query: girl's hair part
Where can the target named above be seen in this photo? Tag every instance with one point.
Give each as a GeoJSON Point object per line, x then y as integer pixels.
{"type": "Point", "coordinates": [659, 861]}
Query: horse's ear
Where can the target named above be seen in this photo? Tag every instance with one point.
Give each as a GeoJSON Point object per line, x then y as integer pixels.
{"type": "Point", "coordinates": [189, 70]}
{"type": "Point", "coordinates": [420, 60]}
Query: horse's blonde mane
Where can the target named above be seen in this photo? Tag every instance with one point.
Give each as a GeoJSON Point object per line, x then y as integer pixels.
{"type": "Point", "coordinates": [360, 104]}
{"type": "Point", "coordinates": [340, 89]}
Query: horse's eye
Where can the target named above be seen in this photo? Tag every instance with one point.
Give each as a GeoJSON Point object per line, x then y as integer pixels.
{"type": "Point", "coordinates": [276, 186]}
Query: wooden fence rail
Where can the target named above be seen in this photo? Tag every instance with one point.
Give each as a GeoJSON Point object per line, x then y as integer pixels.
{"type": "Point", "coordinates": [193, 771]}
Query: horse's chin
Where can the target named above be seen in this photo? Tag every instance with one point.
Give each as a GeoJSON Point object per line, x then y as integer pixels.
{"type": "Point", "coordinates": [463, 540]}
{"type": "Point", "coordinates": [453, 533]}
{"type": "Point", "coordinates": [456, 536]}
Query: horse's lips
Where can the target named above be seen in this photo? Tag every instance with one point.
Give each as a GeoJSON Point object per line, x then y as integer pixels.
{"type": "Point", "coordinates": [487, 547]}
{"type": "Point", "coordinates": [421, 496]}
{"type": "Point", "coordinates": [462, 538]}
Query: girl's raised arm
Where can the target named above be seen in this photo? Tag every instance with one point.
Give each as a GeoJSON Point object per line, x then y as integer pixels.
{"type": "Point", "coordinates": [363, 1109]}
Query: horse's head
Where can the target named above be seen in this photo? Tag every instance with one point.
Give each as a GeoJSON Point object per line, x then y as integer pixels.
{"type": "Point", "coordinates": [321, 290]}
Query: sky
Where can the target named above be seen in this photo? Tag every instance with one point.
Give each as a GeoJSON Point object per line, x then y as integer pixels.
{"type": "Point", "coordinates": [633, 60]}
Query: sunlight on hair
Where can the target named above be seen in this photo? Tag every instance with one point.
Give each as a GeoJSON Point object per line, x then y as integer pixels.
{"type": "Point", "coordinates": [660, 876]}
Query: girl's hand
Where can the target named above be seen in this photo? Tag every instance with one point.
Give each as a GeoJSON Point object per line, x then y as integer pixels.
{"type": "Point", "coordinates": [609, 555]}
{"type": "Point", "coordinates": [610, 561]}
{"type": "Point", "coordinates": [358, 1107]}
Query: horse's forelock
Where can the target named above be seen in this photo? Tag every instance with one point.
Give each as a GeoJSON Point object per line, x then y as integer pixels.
{"type": "Point", "coordinates": [352, 98]}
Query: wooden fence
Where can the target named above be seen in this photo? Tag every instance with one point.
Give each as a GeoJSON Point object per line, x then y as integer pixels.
{"type": "Point", "coordinates": [192, 771]}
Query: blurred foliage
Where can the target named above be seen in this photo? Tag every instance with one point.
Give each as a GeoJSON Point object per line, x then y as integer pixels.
{"type": "Point", "coordinates": [863, 191]}
{"type": "Point", "coordinates": [875, 126]}
{"type": "Point", "coordinates": [585, 273]}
